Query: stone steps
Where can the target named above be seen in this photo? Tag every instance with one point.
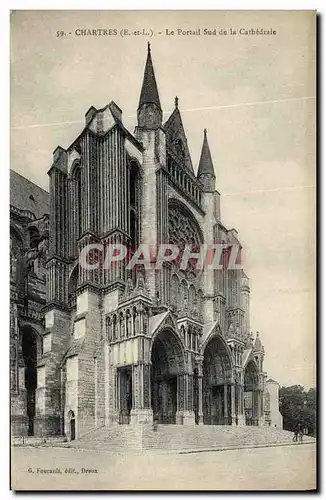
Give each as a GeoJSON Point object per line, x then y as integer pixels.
{"type": "Point", "coordinates": [180, 437]}
{"type": "Point", "coordinates": [37, 440]}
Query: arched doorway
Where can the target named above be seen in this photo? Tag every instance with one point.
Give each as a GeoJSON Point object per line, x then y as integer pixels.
{"type": "Point", "coordinates": [251, 397]}
{"type": "Point", "coordinates": [29, 340]}
{"type": "Point", "coordinates": [167, 365]}
{"type": "Point", "coordinates": [72, 286]}
{"type": "Point", "coordinates": [72, 425]}
{"type": "Point", "coordinates": [216, 388]}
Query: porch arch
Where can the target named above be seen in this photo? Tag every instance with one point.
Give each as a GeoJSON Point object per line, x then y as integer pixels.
{"type": "Point", "coordinates": [251, 393]}
{"type": "Point", "coordinates": [217, 367]}
{"type": "Point", "coordinates": [31, 352]}
{"type": "Point", "coordinates": [167, 370]}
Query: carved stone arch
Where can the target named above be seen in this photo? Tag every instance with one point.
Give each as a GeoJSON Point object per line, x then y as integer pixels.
{"type": "Point", "coordinates": [134, 160]}
{"type": "Point", "coordinates": [76, 165]}
{"type": "Point", "coordinates": [122, 326]}
{"type": "Point", "coordinates": [253, 360]}
{"type": "Point", "coordinates": [37, 328]}
{"type": "Point", "coordinates": [134, 187]}
{"type": "Point", "coordinates": [71, 424]}
{"type": "Point", "coordinates": [168, 365]}
{"type": "Point", "coordinates": [17, 233]}
{"type": "Point", "coordinates": [251, 392]}
{"type": "Point", "coordinates": [73, 277]}
{"type": "Point", "coordinates": [216, 334]}
{"type": "Point", "coordinates": [217, 375]}
{"type": "Point", "coordinates": [114, 327]}
{"type": "Point", "coordinates": [34, 235]}
{"type": "Point", "coordinates": [183, 334]}
{"type": "Point", "coordinates": [128, 322]}
{"type": "Point", "coordinates": [31, 348]}
{"type": "Point", "coordinates": [76, 194]}
{"type": "Point", "coordinates": [70, 414]}
{"type": "Point", "coordinates": [192, 296]}
{"type": "Point", "coordinates": [171, 339]}
{"type": "Point", "coordinates": [16, 256]}
{"type": "Point", "coordinates": [251, 375]}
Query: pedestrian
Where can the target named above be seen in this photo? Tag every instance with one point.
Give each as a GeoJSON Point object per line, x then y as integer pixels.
{"type": "Point", "coordinates": [295, 435]}
{"type": "Point", "coordinates": [155, 422]}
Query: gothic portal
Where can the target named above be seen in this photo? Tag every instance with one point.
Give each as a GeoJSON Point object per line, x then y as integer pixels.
{"type": "Point", "coordinates": [117, 346]}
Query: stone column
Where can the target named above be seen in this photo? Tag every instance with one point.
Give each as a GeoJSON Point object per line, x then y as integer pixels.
{"type": "Point", "coordinates": [200, 400]}
{"type": "Point", "coordinates": [226, 410]}
{"type": "Point", "coordinates": [188, 412]}
{"type": "Point", "coordinates": [180, 398]}
{"type": "Point", "coordinates": [116, 397]}
{"type": "Point", "coordinates": [141, 412]}
{"type": "Point", "coordinates": [241, 418]}
{"type": "Point", "coordinates": [200, 360]}
{"type": "Point", "coordinates": [233, 414]}
{"type": "Point", "coordinates": [261, 417]}
{"type": "Point", "coordinates": [255, 407]}
{"type": "Point", "coordinates": [115, 408]}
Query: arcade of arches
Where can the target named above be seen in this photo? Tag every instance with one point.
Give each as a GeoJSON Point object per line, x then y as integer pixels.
{"type": "Point", "coordinates": [179, 388]}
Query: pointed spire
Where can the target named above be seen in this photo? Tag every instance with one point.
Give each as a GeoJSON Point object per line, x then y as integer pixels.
{"type": "Point", "coordinates": [129, 288]}
{"type": "Point", "coordinates": [176, 101]}
{"type": "Point", "coordinates": [205, 163]}
{"type": "Point", "coordinates": [149, 92]}
{"type": "Point", "coordinates": [206, 169]}
{"type": "Point", "coordinates": [258, 345]}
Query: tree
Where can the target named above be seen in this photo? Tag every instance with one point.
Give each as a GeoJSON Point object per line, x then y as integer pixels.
{"type": "Point", "coordinates": [298, 407]}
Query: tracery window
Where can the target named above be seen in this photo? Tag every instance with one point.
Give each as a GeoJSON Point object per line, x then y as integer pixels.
{"type": "Point", "coordinates": [77, 198]}
{"type": "Point", "coordinates": [182, 228]}
{"type": "Point", "coordinates": [16, 257]}
{"type": "Point", "coordinates": [134, 195]}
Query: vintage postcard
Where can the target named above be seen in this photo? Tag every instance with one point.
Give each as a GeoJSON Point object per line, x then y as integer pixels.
{"type": "Point", "coordinates": [162, 250]}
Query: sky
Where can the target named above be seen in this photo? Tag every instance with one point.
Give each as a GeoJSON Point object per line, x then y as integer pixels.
{"type": "Point", "coordinates": [255, 94]}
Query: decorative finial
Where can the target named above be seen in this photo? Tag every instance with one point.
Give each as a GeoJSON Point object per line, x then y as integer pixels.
{"type": "Point", "coordinates": [257, 334]}
{"type": "Point", "coordinates": [176, 101]}
{"type": "Point", "coordinates": [148, 47]}
{"type": "Point", "coordinates": [140, 281]}
{"type": "Point", "coordinates": [129, 287]}
{"type": "Point", "coordinates": [205, 132]}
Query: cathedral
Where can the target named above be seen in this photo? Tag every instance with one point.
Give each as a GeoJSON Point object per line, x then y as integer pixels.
{"type": "Point", "coordinates": [95, 346]}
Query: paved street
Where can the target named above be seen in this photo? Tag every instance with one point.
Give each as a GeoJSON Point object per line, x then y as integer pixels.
{"type": "Point", "coordinates": [284, 467]}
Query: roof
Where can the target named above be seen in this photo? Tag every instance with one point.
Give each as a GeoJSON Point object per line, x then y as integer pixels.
{"type": "Point", "coordinates": [149, 92]}
{"type": "Point", "coordinates": [258, 345]}
{"type": "Point", "coordinates": [271, 380]}
{"type": "Point", "coordinates": [75, 348]}
{"type": "Point", "coordinates": [155, 321]}
{"type": "Point", "coordinates": [26, 195]}
{"type": "Point", "coordinates": [174, 131]}
{"type": "Point", "coordinates": [207, 330]}
{"type": "Point", "coordinates": [205, 162]}
{"type": "Point", "coordinates": [246, 355]}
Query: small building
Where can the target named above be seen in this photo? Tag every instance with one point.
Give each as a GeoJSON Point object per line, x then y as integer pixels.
{"type": "Point", "coordinates": [273, 416]}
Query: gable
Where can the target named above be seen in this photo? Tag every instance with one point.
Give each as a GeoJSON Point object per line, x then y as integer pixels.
{"type": "Point", "coordinates": [176, 140]}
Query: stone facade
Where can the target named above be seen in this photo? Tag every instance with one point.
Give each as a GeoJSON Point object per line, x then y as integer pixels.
{"type": "Point", "coordinates": [121, 346]}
